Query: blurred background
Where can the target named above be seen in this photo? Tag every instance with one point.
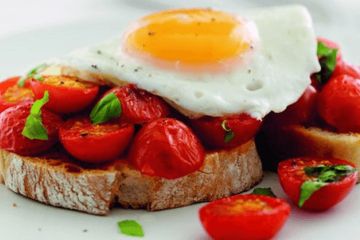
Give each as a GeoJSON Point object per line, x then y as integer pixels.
{"type": "Point", "coordinates": [80, 22]}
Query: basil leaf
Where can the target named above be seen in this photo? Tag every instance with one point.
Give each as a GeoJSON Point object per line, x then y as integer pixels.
{"type": "Point", "coordinates": [327, 60]}
{"type": "Point", "coordinates": [130, 228]}
{"type": "Point", "coordinates": [308, 188]}
{"type": "Point", "coordinates": [328, 176]}
{"type": "Point", "coordinates": [229, 134]}
{"type": "Point", "coordinates": [107, 108]}
{"type": "Point", "coordinates": [33, 72]}
{"type": "Point", "coordinates": [34, 128]}
{"type": "Point", "coordinates": [264, 191]}
{"type": "Point", "coordinates": [314, 171]}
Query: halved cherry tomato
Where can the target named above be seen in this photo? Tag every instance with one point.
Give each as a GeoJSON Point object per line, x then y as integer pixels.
{"type": "Point", "coordinates": [245, 217]}
{"type": "Point", "coordinates": [95, 143]}
{"type": "Point", "coordinates": [139, 106]}
{"type": "Point", "coordinates": [12, 122]}
{"type": "Point", "coordinates": [226, 132]}
{"type": "Point", "coordinates": [166, 148]}
{"type": "Point", "coordinates": [339, 103]}
{"type": "Point", "coordinates": [68, 94]}
{"type": "Point", "coordinates": [11, 94]}
{"type": "Point", "coordinates": [301, 112]}
{"type": "Point", "coordinates": [292, 175]}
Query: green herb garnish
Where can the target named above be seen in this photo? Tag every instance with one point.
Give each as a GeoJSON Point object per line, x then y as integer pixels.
{"type": "Point", "coordinates": [264, 191]}
{"type": "Point", "coordinates": [321, 176]}
{"type": "Point", "coordinates": [34, 128]}
{"type": "Point", "coordinates": [131, 228]}
{"type": "Point", "coordinates": [107, 108]}
{"type": "Point", "coordinates": [229, 134]}
{"type": "Point", "coordinates": [327, 60]}
{"type": "Point", "coordinates": [32, 73]}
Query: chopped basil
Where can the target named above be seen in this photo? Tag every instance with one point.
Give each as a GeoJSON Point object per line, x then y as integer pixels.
{"type": "Point", "coordinates": [322, 175]}
{"type": "Point", "coordinates": [34, 128]}
{"type": "Point", "coordinates": [327, 60]}
{"type": "Point", "coordinates": [32, 73]}
{"type": "Point", "coordinates": [107, 108]}
{"type": "Point", "coordinates": [131, 228]}
{"type": "Point", "coordinates": [264, 191]}
{"type": "Point", "coordinates": [307, 189]}
{"type": "Point", "coordinates": [229, 134]}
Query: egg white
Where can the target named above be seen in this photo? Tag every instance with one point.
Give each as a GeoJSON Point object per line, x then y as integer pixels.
{"type": "Point", "coordinates": [272, 77]}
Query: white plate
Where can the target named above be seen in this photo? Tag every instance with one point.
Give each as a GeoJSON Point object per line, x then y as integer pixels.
{"type": "Point", "coordinates": [21, 218]}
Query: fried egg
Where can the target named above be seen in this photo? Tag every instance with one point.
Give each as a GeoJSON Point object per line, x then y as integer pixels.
{"type": "Point", "coordinates": [208, 62]}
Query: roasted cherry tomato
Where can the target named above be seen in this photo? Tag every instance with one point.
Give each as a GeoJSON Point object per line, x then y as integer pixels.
{"type": "Point", "coordinates": [67, 94]}
{"type": "Point", "coordinates": [11, 94]}
{"type": "Point", "coordinates": [336, 185]}
{"type": "Point", "coordinates": [245, 217]}
{"type": "Point", "coordinates": [12, 122]}
{"type": "Point", "coordinates": [226, 132]}
{"type": "Point", "coordinates": [339, 103]}
{"type": "Point", "coordinates": [300, 112]}
{"type": "Point", "coordinates": [166, 148]}
{"type": "Point", "coordinates": [345, 68]}
{"type": "Point", "coordinates": [139, 106]}
{"type": "Point", "coordinates": [95, 143]}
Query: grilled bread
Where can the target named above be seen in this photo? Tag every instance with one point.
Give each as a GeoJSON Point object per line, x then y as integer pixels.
{"type": "Point", "coordinates": [56, 180]}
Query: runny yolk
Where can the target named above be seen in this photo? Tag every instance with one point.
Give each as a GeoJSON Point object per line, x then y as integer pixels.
{"type": "Point", "coordinates": [189, 36]}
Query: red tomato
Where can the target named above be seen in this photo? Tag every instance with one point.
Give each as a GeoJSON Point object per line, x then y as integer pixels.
{"type": "Point", "coordinates": [67, 94]}
{"type": "Point", "coordinates": [344, 68]}
{"type": "Point", "coordinates": [12, 122]}
{"type": "Point", "coordinates": [95, 143]}
{"type": "Point", "coordinates": [300, 112]}
{"type": "Point", "coordinates": [211, 130]}
{"type": "Point", "coordinates": [11, 94]}
{"type": "Point", "coordinates": [292, 175]}
{"type": "Point", "coordinates": [166, 148]}
{"type": "Point", "coordinates": [245, 216]}
{"type": "Point", "coordinates": [339, 103]}
{"type": "Point", "coordinates": [139, 106]}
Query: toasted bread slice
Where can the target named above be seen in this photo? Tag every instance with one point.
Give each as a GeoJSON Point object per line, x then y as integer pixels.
{"type": "Point", "coordinates": [59, 182]}
{"type": "Point", "coordinates": [297, 140]}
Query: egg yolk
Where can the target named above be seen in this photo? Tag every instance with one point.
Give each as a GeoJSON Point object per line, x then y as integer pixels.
{"type": "Point", "coordinates": [189, 36]}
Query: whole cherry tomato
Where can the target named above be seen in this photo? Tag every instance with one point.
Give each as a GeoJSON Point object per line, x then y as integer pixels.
{"type": "Point", "coordinates": [344, 68]}
{"type": "Point", "coordinates": [226, 132]}
{"type": "Point", "coordinates": [95, 143]}
{"type": "Point", "coordinates": [300, 112]}
{"type": "Point", "coordinates": [12, 122]}
{"type": "Point", "coordinates": [11, 94]}
{"type": "Point", "coordinates": [139, 106]}
{"type": "Point", "coordinates": [67, 94]}
{"type": "Point", "coordinates": [245, 217]}
{"type": "Point", "coordinates": [339, 103]}
{"type": "Point", "coordinates": [335, 178]}
{"type": "Point", "coordinates": [166, 148]}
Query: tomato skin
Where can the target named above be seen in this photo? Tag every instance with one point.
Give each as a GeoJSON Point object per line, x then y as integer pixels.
{"type": "Point", "coordinates": [221, 221]}
{"type": "Point", "coordinates": [344, 68]}
{"type": "Point", "coordinates": [139, 106]}
{"type": "Point", "coordinates": [12, 122]}
{"type": "Point", "coordinates": [166, 148]}
{"type": "Point", "coordinates": [339, 103]}
{"type": "Point", "coordinates": [301, 112]}
{"type": "Point", "coordinates": [95, 143]}
{"type": "Point", "coordinates": [12, 83]}
{"type": "Point", "coordinates": [64, 99]}
{"type": "Point", "coordinates": [292, 175]}
{"type": "Point", "coordinates": [211, 132]}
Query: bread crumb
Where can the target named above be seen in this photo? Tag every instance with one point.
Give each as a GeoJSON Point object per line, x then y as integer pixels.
{"type": "Point", "coordinates": [85, 231]}
{"type": "Point", "coordinates": [14, 205]}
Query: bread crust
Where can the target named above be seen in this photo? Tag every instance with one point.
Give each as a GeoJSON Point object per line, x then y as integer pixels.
{"type": "Point", "coordinates": [69, 185]}
{"type": "Point", "coordinates": [297, 140]}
